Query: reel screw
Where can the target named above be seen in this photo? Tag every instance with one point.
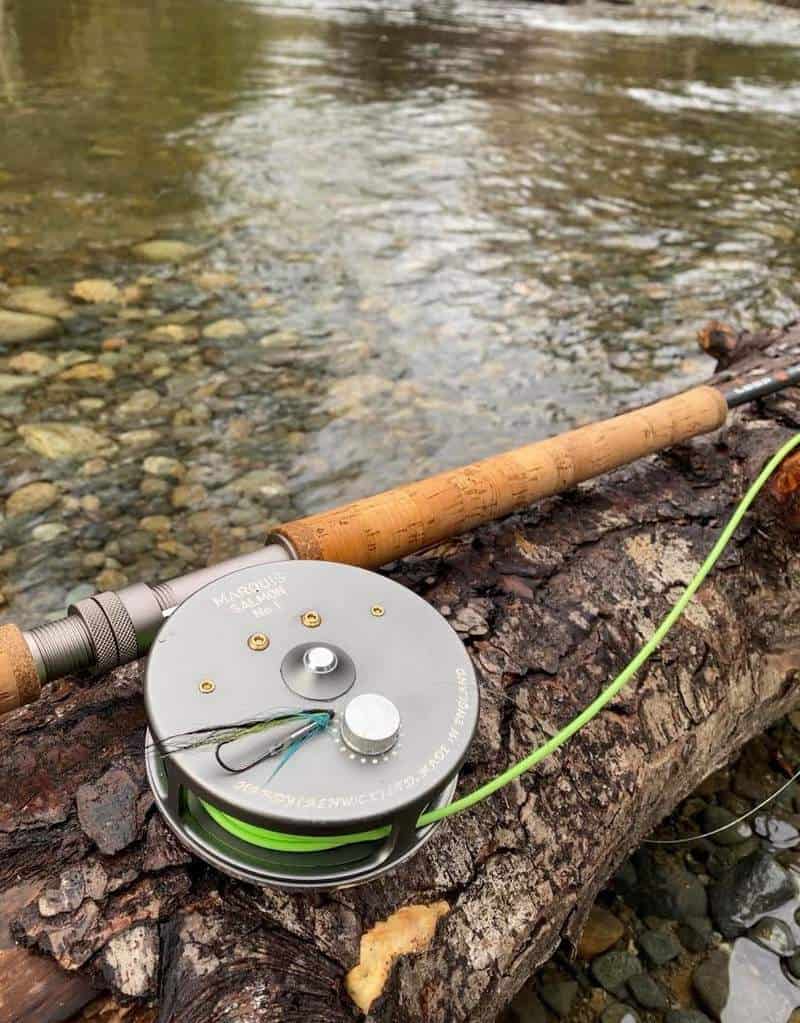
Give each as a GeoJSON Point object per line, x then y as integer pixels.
{"type": "Point", "coordinates": [377, 611]}
{"type": "Point", "coordinates": [206, 686]}
{"type": "Point", "coordinates": [258, 641]}
{"type": "Point", "coordinates": [311, 619]}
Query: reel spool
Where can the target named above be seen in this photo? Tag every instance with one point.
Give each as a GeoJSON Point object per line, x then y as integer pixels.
{"type": "Point", "coordinates": [370, 701]}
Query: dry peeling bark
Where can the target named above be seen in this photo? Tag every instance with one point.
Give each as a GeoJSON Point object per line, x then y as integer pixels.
{"type": "Point", "coordinates": [551, 603]}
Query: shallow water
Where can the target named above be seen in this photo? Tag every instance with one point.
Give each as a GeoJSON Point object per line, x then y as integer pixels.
{"type": "Point", "coordinates": [458, 225]}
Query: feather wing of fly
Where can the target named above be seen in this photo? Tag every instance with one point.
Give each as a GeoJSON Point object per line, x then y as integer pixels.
{"type": "Point", "coordinates": [218, 737]}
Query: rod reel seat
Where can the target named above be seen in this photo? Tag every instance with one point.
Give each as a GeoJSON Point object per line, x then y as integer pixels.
{"type": "Point", "coordinates": [351, 702]}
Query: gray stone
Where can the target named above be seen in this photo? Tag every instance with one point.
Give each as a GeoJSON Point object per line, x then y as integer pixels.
{"type": "Point", "coordinates": [559, 996]}
{"type": "Point", "coordinates": [686, 1016]}
{"type": "Point", "coordinates": [718, 817]}
{"type": "Point", "coordinates": [755, 887]}
{"type": "Point", "coordinates": [646, 992]}
{"type": "Point", "coordinates": [614, 968]}
{"type": "Point", "coordinates": [774, 935]}
{"type": "Point", "coordinates": [666, 889]}
{"type": "Point", "coordinates": [10, 382]}
{"type": "Point", "coordinates": [164, 251]}
{"type": "Point", "coordinates": [526, 1007]}
{"type": "Point", "coordinates": [659, 946]}
{"type": "Point", "coordinates": [695, 933]}
{"type": "Point", "coordinates": [64, 440]}
{"type": "Point", "coordinates": [793, 965]}
{"type": "Point", "coordinates": [711, 983]}
{"type": "Point", "coordinates": [619, 1013]}
{"type": "Point", "coordinates": [23, 328]}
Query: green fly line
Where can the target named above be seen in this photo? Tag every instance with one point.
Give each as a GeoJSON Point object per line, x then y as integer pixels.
{"type": "Point", "coordinates": [281, 842]}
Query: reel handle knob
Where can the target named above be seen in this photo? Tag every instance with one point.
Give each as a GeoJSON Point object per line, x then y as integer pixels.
{"type": "Point", "coordinates": [370, 724]}
{"type": "Point", "coordinates": [19, 677]}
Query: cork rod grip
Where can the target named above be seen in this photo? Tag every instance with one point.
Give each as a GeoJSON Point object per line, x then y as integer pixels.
{"type": "Point", "coordinates": [19, 680]}
{"type": "Point", "coordinates": [377, 530]}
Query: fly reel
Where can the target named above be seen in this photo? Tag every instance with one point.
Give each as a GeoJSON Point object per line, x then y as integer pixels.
{"type": "Point", "coordinates": [302, 718]}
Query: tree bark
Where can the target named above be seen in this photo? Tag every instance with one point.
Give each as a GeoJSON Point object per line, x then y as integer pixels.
{"type": "Point", "coordinates": [551, 603]}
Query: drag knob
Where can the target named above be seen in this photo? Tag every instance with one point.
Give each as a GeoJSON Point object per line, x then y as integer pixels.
{"type": "Point", "coordinates": [371, 724]}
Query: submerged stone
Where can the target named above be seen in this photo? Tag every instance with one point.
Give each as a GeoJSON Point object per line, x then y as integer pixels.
{"type": "Point", "coordinates": [32, 498]}
{"type": "Point", "coordinates": [63, 440]}
{"type": "Point", "coordinates": [755, 887]}
{"type": "Point", "coordinates": [711, 983]}
{"type": "Point", "coordinates": [614, 968]}
{"type": "Point", "coordinates": [666, 889]}
{"type": "Point", "coordinates": [559, 996]}
{"type": "Point", "coordinates": [164, 251]}
{"type": "Point", "coordinates": [647, 992]}
{"type": "Point", "coordinates": [22, 328]}
{"type": "Point", "coordinates": [602, 930]}
{"type": "Point", "coordinates": [659, 946]}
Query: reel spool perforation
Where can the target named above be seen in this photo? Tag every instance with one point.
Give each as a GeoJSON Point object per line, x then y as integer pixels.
{"type": "Point", "coordinates": [407, 662]}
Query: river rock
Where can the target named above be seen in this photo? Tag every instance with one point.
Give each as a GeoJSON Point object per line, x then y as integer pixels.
{"type": "Point", "coordinates": [756, 886]}
{"type": "Point", "coordinates": [718, 817]}
{"type": "Point", "coordinates": [161, 465]}
{"type": "Point", "coordinates": [774, 935]}
{"type": "Point", "coordinates": [32, 362]}
{"type": "Point", "coordinates": [164, 251]}
{"type": "Point", "coordinates": [619, 1013]}
{"type": "Point", "coordinates": [695, 933]}
{"type": "Point", "coordinates": [64, 440]}
{"type": "Point", "coordinates": [32, 498]}
{"type": "Point", "coordinates": [223, 330]}
{"type": "Point", "coordinates": [559, 996]}
{"type": "Point", "coordinates": [175, 333]}
{"type": "Point", "coordinates": [95, 371]}
{"type": "Point", "coordinates": [711, 983]}
{"type": "Point", "coordinates": [23, 328]}
{"type": "Point", "coordinates": [263, 483]}
{"type": "Point", "coordinates": [602, 930]}
{"type": "Point", "coordinates": [95, 291]}
{"type": "Point", "coordinates": [527, 1007]}
{"type": "Point", "coordinates": [660, 947]}
{"type": "Point", "coordinates": [665, 888]}
{"type": "Point", "coordinates": [39, 301]}
{"type": "Point", "coordinates": [10, 382]}
{"type": "Point", "coordinates": [614, 968]}
{"type": "Point", "coordinates": [647, 992]}
{"type": "Point", "coordinates": [686, 1016]}
{"type": "Point", "coordinates": [139, 403]}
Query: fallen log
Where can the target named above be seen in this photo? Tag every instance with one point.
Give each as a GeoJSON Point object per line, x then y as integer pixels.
{"type": "Point", "coordinates": [551, 603]}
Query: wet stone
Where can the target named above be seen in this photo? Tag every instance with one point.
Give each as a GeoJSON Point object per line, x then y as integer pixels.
{"type": "Point", "coordinates": [695, 933]}
{"type": "Point", "coordinates": [793, 965]}
{"type": "Point", "coordinates": [686, 1016]}
{"type": "Point", "coordinates": [614, 968]}
{"type": "Point", "coordinates": [665, 888]}
{"type": "Point", "coordinates": [711, 984]}
{"type": "Point", "coordinates": [718, 817]}
{"type": "Point", "coordinates": [755, 887]}
{"type": "Point", "coordinates": [559, 996]}
{"type": "Point", "coordinates": [602, 930]}
{"type": "Point", "coordinates": [619, 1013]}
{"type": "Point", "coordinates": [527, 1007]}
{"type": "Point", "coordinates": [647, 992]}
{"type": "Point", "coordinates": [32, 498]}
{"type": "Point", "coordinates": [164, 251]}
{"type": "Point", "coordinates": [774, 935]}
{"type": "Point", "coordinates": [64, 440]}
{"type": "Point", "coordinates": [659, 946]}
{"type": "Point", "coordinates": [24, 328]}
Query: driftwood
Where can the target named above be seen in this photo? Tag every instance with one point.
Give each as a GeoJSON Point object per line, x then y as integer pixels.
{"type": "Point", "coordinates": [550, 603]}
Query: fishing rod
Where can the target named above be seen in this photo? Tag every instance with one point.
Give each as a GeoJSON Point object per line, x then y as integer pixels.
{"type": "Point", "coordinates": [362, 762]}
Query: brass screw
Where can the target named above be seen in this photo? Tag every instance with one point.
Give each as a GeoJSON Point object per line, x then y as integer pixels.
{"type": "Point", "coordinates": [258, 641]}
{"type": "Point", "coordinates": [377, 611]}
{"type": "Point", "coordinates": [206, 686]}
{"type": "Point", "coordinates": [311, 619]}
